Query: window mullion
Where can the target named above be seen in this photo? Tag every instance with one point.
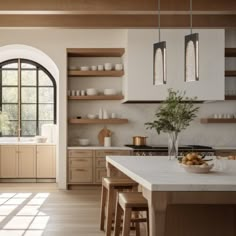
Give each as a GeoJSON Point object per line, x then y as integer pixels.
{"type": "Point", "coordinates": [19, 99]}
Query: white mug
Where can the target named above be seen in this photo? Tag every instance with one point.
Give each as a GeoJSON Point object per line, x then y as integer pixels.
{"type": "Point", "coordinates": [118, 67]}
{"type": "Point", "coordinates": [77, 92]}
{"type": "Point", "coordinates": [94, 68]}
{"type": "Point", "coordinates": [113, 115]}
{"type": "Point", "coordinates": [108, 66]}
{"type": "Point", "coordinates": [82, 92]}
{"type": "Point", "coordinates": [100, 67]}
{"type": "Point", "coordinates": [72, 92]}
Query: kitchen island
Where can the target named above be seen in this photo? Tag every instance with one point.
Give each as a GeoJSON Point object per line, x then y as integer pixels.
{"type": "Point", "coordinates": [181, 203]}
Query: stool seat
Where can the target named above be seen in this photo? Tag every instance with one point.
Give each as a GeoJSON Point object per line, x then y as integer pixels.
{"type": "Point", "coordinates": [132, 200]}
{"type": "Point", "coordinates": [117, 182]}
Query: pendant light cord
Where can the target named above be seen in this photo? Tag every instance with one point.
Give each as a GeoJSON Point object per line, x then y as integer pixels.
{"type": "Point", "coordinates": [191, 17]}
{"type": "Point", "coordinates": [159, 19]}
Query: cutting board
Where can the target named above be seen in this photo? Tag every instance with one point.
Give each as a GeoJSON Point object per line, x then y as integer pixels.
{"type": "Point", "coordinates": [103, 133]}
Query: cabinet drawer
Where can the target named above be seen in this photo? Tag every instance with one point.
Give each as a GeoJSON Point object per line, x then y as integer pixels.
{"type": "Point", "coordinates": [104, 153]}
{"type": "Point", "coordinates": [100, 173]}
{"type": "Point", "coordinates": [100, 162]}
{"type": "Point", "coordinates": [78, 162]}
{"type": "Point", "coordinates": [80, 153]}
{"type": "Point", "coordinates": [80, 175]}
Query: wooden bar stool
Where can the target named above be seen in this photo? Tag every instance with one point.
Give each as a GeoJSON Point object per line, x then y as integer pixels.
{"type": "Point", "coordinates": [128, 203]}
{"type": "Point", "coordinates": [110, 187]}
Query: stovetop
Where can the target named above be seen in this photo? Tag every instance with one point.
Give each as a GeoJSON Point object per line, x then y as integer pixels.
{"type": "Point", "coordinates": [164, 148]}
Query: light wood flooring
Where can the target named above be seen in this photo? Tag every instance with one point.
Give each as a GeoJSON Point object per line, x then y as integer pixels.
{"type": "Point", "coordinates": [41, 209]}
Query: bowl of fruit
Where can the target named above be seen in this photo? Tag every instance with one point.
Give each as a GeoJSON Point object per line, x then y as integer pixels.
{"type": "Point", "coordinates": [195, 163]}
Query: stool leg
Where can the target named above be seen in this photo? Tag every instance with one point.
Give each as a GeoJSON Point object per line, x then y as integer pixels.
{"type": "Point", "coordinates": [118, 219]}
{"type": "Point", "coordinates": [126, 222]}
{"type": "Point", "coordinates": [137, 225]}
{"type": "Point", "coordinates": [148, 232]}
{"type": "Point", "coordinates": [110, 210]}
{"type": "Point", "coordinates": [103, 204]}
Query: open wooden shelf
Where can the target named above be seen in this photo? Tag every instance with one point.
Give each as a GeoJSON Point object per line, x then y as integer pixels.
{"type": "Point", "coordinates": [98, 97]}
{"type": "Point", "coordinates": [220, 120]}
{"type": "Point", "coordinates": [230, 97]}
{"type": "Point", "coordinates": [230, 73]}
{"type": "Point", "coordinates": [230, 52]}
{"type": "Point", "coordinates": [98, 121]}
{"type": "Point", "coordinates": [95, 52]}
{"type": "Point", "coordinates": [90, 73]}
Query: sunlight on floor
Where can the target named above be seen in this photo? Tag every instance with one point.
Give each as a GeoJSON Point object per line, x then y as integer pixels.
{"type": "Point", "coordinates": [20, 214]}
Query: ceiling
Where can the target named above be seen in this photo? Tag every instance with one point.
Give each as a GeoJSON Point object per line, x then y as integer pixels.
{"type": "Point", "coordinates": [117, 14]}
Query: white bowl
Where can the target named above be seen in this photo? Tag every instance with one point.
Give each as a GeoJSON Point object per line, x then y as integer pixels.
{"type": "Point", "coordinates": [108, 66]}
{"type": "Point", "coordinates": [92, 116]}
{"type": "Point", "coordinates": [84, 68]}
{"type": "Point", "coordinates": [110, 92]}
{"type": "Point", "coordinates": [40, 139]}
{"type": "Point", "coordinates": [91, 91]}
{"type": "Point", "coordinates": [198, 169]}
{"type": "Point", "coordinates": [83, 141]}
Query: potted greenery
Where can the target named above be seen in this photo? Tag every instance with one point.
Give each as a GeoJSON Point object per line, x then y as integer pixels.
{"type": "Point", "coordinates": [173, 116]}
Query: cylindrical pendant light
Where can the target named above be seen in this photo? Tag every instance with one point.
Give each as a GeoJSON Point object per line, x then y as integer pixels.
{"type": "Point", "coordinates": [159, 55]}
{"type": "Point", "coordinates": [191, 55]}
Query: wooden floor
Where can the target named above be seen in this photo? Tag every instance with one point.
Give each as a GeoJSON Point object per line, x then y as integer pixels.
{"type": "Point", "coordinates": [42, 209]}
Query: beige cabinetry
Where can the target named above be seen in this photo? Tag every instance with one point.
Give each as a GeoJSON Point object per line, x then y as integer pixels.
{"type": "Point", "coordinates": [89, 166]}
{"type": "Point", "coordinates": [80, 166]}
{"type": "Point", "coordinates": [46, 161]}
{"type": "Point", "coordinates": [9, 161]}
{"type": "Point", "coordinates": [27, 161]}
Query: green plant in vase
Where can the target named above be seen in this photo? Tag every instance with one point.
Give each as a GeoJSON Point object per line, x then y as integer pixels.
{"type": "Point", "coordinates": [173, 116]}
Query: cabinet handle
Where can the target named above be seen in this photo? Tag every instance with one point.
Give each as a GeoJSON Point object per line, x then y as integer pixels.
{"type": "Point", "coordinates": [81, 170]}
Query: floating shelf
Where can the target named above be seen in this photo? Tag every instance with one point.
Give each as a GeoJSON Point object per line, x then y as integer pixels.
{"type": "Point", "coordinates": [95, 52]}
{"type": "Point", "coordinates": [90, 73]}
{"type": "Point", "coordinates": [98, 97]}
{"type": "Point", "coordinates": [98, 121]}
{"type": "Point", "coordinates": [230, 97]}
{"type": "Point", "coordinates": [215, 121]}
{"type": "Point", "coordinates": [230, 52]}
{"type": "Point", "coordinates": [230, 73]}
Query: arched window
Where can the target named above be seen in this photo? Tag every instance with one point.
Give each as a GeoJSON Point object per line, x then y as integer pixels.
{"type": "Point", "coordinates": [27, 98]}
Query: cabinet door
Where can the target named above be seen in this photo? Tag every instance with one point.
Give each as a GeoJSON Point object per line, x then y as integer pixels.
{"type": "Point", "coordinates": [9, 161]}
{"type": "Point", "coordinates": [46, 162]}
{"type": "Point", "coordinates": [27, 161]}
{"type": "Point", "coordinates": [81, 175]}
{"type": "Point", "coordinates": [100, 173]}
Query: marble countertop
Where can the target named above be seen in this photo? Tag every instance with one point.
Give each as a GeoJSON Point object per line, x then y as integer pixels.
{"type": "Point", "coordinates": [99, 148]}
{"type": "Point", "coordinates": [160, 174]}
{"type": "Point", "coordinates": [224, 148]}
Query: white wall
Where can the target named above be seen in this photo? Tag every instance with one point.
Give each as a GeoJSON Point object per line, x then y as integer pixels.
{"type": "Point", "coordinates": [140, 64]}
{"type": "Point", "coordinates": [54, 44]}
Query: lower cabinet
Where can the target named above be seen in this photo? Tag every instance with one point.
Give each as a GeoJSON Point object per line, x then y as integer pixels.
{"type": "Point", "coordinates": [9, 161]}
{"type": "Point", "coordinates": [89, 166]}
{"type": "Point", "coordinates": [27, 161]}
{"type": "Point", "coordinates": [46, 162]}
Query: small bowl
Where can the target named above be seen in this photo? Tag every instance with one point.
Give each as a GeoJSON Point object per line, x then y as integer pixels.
{"type": "Point", "coordinates": [92, 116]}
{"type": "Point", "coordinates": [40, 139]}
{"type": "Point", "coordinates": [110, 92]}
{"type": "Point", "coordinates": [91, 91]}
{"type": "Point", "coordinates": [84, 68]}
{"type": "Point", "coordinates": [83, 141]}
{"type": "Point", "coordinates": [198, 169]}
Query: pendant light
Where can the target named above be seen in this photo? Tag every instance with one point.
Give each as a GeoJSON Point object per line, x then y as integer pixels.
{"type": "Point", "coordinates": [159, 56]}
{"type": "Point", "coordinates": [191, 53]}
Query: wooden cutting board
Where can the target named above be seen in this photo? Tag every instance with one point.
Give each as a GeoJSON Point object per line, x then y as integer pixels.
{"type": "Point", "coordinates": [103, 133]}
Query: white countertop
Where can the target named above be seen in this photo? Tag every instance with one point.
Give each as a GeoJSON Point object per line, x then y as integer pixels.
{"type": "Point", "coordinates": [160, 174]}
{"type": "Point", "coordinates": [25, 143]}
{"type": "Point", "coordinates": [99, 148]}
{"type": "Point", "coordinates": [224, 148]}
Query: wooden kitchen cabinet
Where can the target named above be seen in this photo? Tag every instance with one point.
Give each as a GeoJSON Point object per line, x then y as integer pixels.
{"type": "Point", "coordinates": [9, 161]}
{"type": "Point", "coordinates": [80, 167]}
{"type": "Point", "coordinates": [89, 166]}
{"type": "Point", "coordinates": [46, 161]}
{"type": "Point", "coordinates": [27, 161]}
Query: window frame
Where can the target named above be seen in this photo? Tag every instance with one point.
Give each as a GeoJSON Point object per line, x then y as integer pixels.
{"type": "Point", "coordinates": [19, 87]}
